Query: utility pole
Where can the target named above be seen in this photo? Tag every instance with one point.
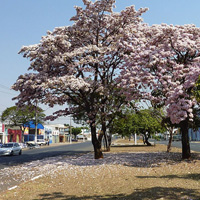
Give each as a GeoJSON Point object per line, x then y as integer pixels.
{"type": "Point", "coordinates": [35, 121]}
{"type": "Point", "coordinates": [70, 130]}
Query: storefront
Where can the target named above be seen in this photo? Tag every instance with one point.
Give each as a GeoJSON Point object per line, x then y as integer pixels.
{"type": "Point", "coordinates": [48, 133]}
{"type": "Point", "coordinates": [61, 138]}
{"type": "Point", "coordinates": [14, 135]}
{"type": "Point", "coordinates": [55, 136]}
{"type": "Point", "coordinates": [29, 131]}
{"type": "Point", "coordinates": [1, 138]}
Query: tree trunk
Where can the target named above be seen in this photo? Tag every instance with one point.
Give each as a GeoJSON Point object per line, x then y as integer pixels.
{"type": "Point", "coordinates": [104, 135]}
{"type": "Point", "coordinates": [109, 141]}
{"type": "Point", "coordinates": [100, 137]}
{"type": "Point", "coordinates": [185, 140]}
{"type": "Point", "coordinates": [106, 142]}
{"type": "Point", "coordinates": [145, 139]}
{"type": "Point", "coordinates": [129, 138]}
{"type": "Point", "coordinates": [96, 144]}
{"type": "Point", "coordinates": [170, 140]}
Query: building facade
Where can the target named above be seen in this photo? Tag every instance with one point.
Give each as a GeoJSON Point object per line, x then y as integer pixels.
{"type": "Point", "coordinates": [60, 133]}
{"type": "Point", "coordinates": [3, 134]}
{"type": "Point", "coordinates": [194, 135]}
{"type": "Point", "coordinates": [48, 134]}
{"type": "Point", "coordinates": [14, 135]}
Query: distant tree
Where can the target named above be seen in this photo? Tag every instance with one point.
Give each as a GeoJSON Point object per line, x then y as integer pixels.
{"type": "Point", "coordinates": [15, 116]}
{"type": "Point", "coordinates": [85, 127]}
{"type": "Point", "coordinates": [148, 124]}
{"type": "Point", "coordinates": [141, 122]}
{"type": "Point", "coordinates": [123, 124]}
{"type": "Point", "coordinates": [76, 131]}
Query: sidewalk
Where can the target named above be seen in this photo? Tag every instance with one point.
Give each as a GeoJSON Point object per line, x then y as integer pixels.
{"type": "Point", "coordinates": [195, 142]}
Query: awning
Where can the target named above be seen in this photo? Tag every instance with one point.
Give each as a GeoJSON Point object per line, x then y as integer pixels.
{"type": "Point", "coordinates": [31, 124]}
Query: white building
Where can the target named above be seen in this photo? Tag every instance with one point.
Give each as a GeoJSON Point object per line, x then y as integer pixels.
{"type": "Point", "coordinates": [3, 134]}
{"type": "Point", "coordinates": [60, 132]}
{"type": "Point", "coordinates": [86, 133]}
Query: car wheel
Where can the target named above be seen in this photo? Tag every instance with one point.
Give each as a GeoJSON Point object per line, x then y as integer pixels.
{"type": "Point", "coordinates": [11, 153]}
{"type": "Point", "coordinates": [20, 152]}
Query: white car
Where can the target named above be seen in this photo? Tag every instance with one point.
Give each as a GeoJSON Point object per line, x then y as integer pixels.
{"type": "Point", "coordinates": [11, 148]}
{"type": "Point", "coordinates": [39, 142]}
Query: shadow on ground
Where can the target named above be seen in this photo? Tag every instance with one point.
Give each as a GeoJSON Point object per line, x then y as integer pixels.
{"type": "Point", "coordinates": [141, 194]}
{"type": "Point", "coordinates": [195, 177]}
{"type": "Point", "coordinates": [132, 159]}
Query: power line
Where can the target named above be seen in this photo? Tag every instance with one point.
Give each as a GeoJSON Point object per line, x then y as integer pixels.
{"type": "Point", "coordinates": [1, 85]}
{"type": "Point", "coordinates": [6, 88]}
{"type": "Point", "coordinates": [7, 93]}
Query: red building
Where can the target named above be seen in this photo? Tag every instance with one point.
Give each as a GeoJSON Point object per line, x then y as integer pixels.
{"type": "Point", "coordinates": [14, 135]}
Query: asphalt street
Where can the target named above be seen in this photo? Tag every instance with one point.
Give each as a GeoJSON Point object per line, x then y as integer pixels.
{"type": "Point", "coordinates": [194, 146]}
{"type": "Point", "coordinates": [28, 155]}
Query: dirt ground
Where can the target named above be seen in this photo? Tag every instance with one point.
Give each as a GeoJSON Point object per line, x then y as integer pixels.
{"type": "Point", "coordinates": [127, 172]}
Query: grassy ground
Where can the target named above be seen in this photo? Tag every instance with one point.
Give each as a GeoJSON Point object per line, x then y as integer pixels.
{"type": "Point", "coordinates": [127, 172]}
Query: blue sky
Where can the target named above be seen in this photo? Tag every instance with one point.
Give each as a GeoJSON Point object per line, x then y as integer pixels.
{"type": "Point", "coordinates": [23, 22]}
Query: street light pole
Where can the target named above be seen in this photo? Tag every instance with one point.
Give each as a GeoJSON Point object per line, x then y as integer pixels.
{"type": "Point", "coordinates": [70, 130]}
{"type": "Point", "coordinates": [35, 121]}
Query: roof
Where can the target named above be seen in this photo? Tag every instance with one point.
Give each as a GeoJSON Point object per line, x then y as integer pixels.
{"type": "Point", "coordinates": [31, 124]}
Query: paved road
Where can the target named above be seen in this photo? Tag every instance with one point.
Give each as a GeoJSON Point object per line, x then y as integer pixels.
{"type": "Point", "coordinates": [194, 146]}
{"type": "Point", "coordinates": [29, 155]}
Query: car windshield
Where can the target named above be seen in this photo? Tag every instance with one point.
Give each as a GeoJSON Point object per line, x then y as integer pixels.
{"type": "Point", "coordinates": [7, 145]}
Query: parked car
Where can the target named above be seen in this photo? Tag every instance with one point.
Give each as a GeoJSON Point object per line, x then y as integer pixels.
{"type": "Point", "coordinates": [39, 142]}
{"type": "Point", "coordinates": [81, 137]}
{"type": "Point", "coordinates": [23, 145]}
{"type": "Point", "coordinates": [11, 148]}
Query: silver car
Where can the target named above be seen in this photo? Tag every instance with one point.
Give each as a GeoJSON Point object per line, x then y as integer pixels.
{"type": "Point", "coordinates": [11, 148]}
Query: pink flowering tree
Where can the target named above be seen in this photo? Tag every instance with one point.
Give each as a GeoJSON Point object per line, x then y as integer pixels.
{"type": "Point", "coordinates": [79, 64]}
{"type": "Point", "coordinates": [164, 71]}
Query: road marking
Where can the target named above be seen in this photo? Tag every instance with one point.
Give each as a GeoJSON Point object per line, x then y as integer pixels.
{"type": "Point", "coordinates": [13, 187]}
{"type": "Point", "coordinates": [36, 177]}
